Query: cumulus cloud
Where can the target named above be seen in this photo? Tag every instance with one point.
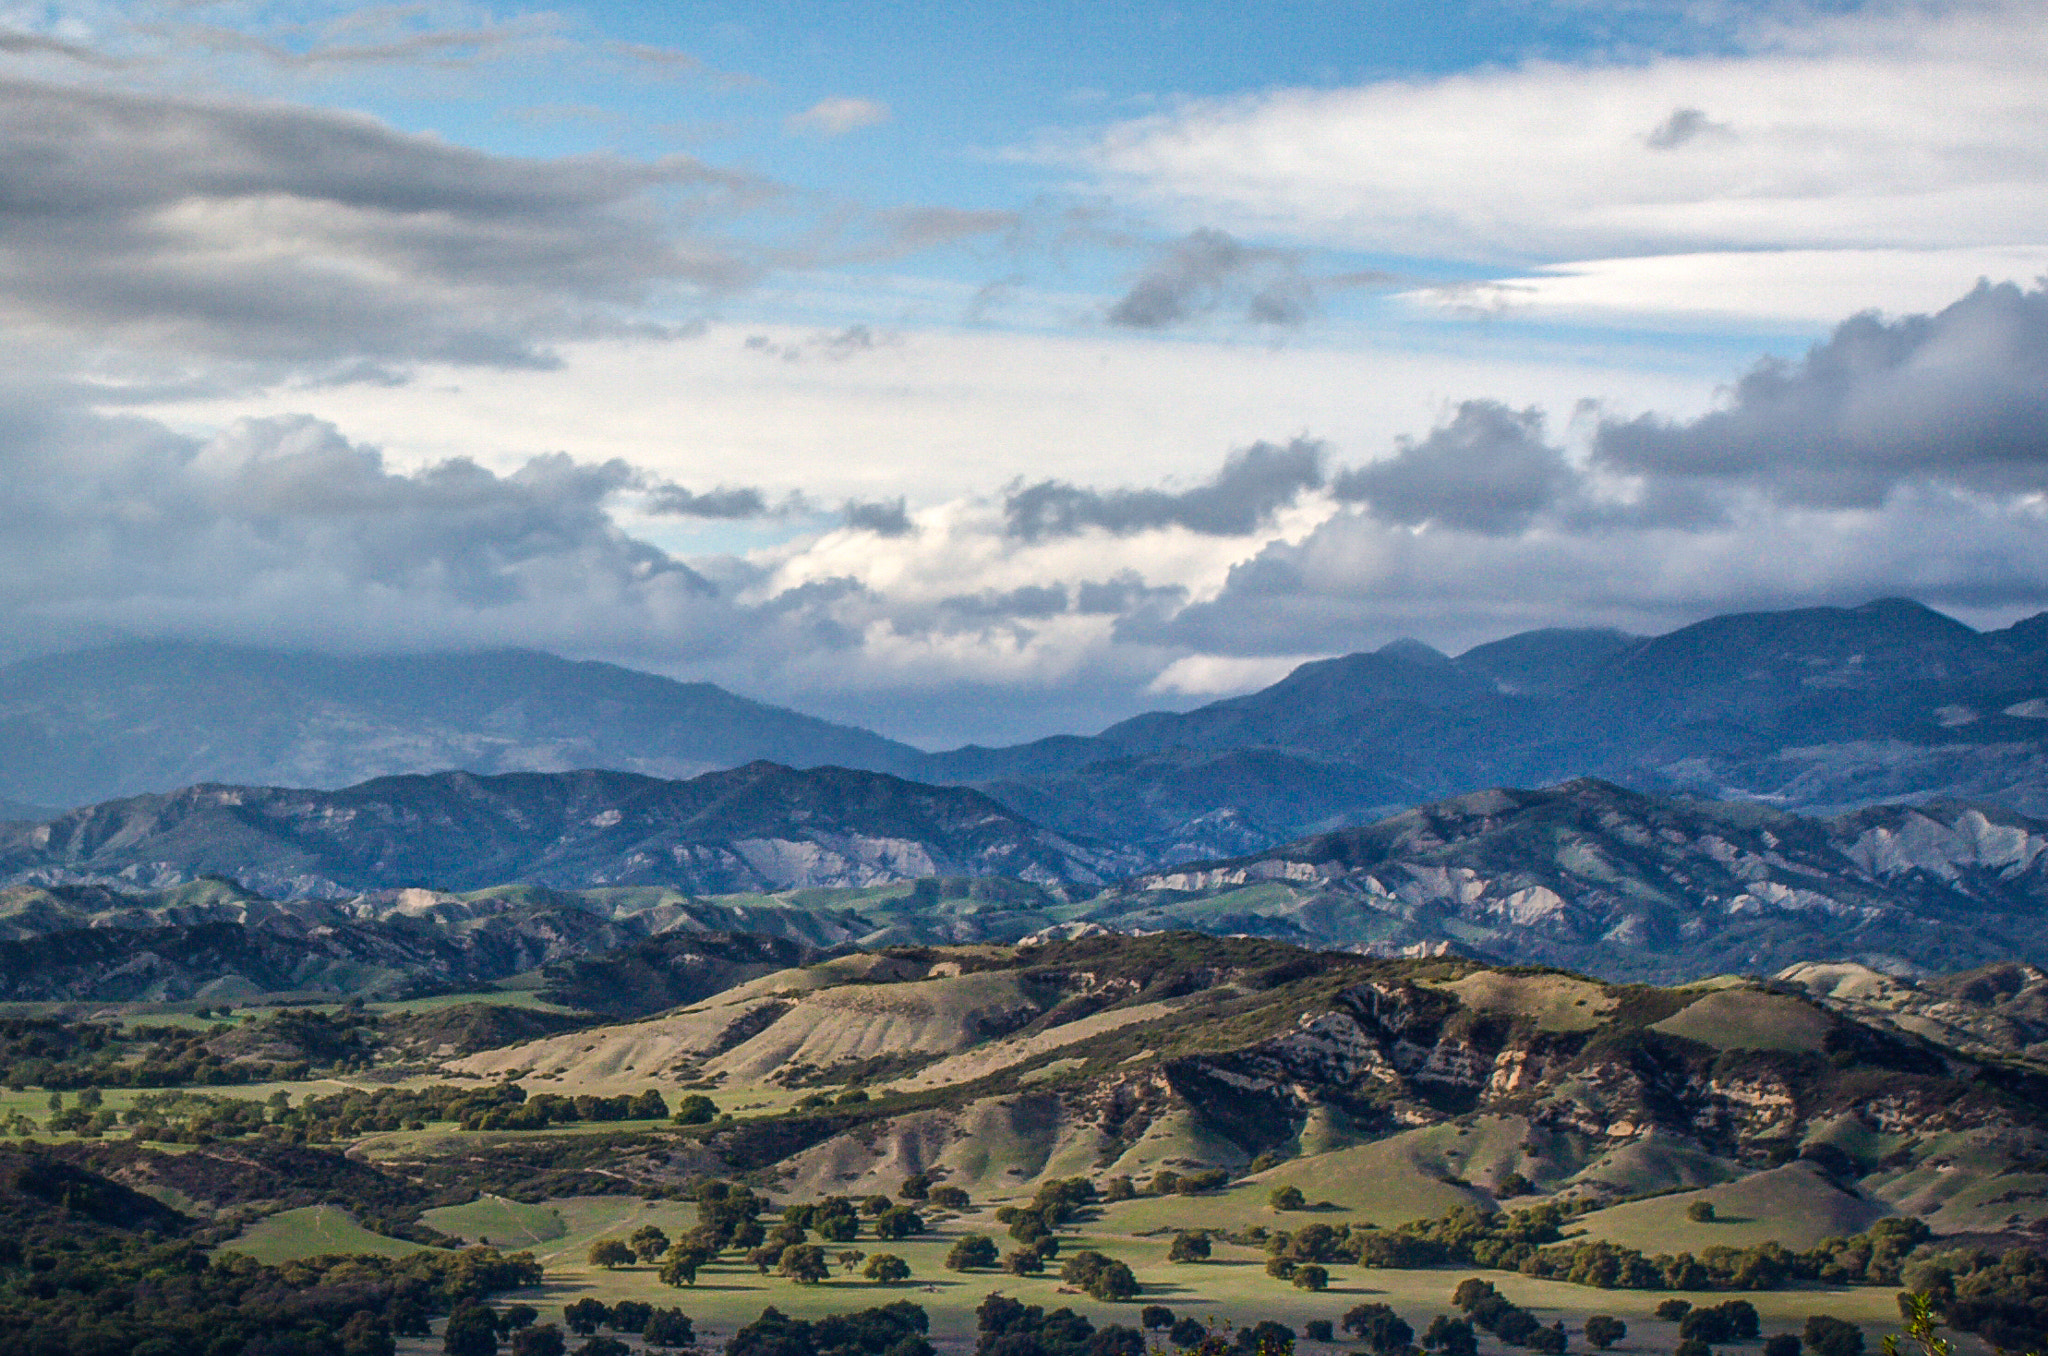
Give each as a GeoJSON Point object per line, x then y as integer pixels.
{"type": "Point", "coordinates": [285, 527]}
{"type": "Point", "coordinates": [1901, 456]}
{"type": "Point", "coordinates": [1957, 399]}
{"type": "Point", "coordinates": [1489, 470]}
{"type": "Point", "coordinates": [836, 117]}
{"type": "Point", "coordinates": [1253, 484]}
{"type": "Point", "coordinates": [273, 233]}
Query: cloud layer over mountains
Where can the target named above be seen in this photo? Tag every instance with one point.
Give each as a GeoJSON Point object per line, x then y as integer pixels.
{"type": "Point", "coordinates": [187, 274]}
{"type": "Point", "coordinates": [1898, 456]}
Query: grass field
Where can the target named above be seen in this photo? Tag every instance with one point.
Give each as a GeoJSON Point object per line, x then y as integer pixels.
{"type": "Point", "coordinates": [1232, 1287]}
{"type": "Point", "coordinates": [1794, 1205]}
{"type": "Point", "coordinates": [312, 1231]}
{"type": "Point", "coordinates": [1744, 1019]}
{"type": "Point", "coordinates": [512, 1225]}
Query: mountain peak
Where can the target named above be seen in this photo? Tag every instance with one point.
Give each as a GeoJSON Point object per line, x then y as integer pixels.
{"type": "Point", "coordinates": [1412, 651]}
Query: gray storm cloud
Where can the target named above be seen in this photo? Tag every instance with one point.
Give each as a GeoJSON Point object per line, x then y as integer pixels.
{"type": "Point", "coordinates": [1959, 399]}
{"type": "Point", "coordinates": [287, 234]}
{"type": "Point", "coordinates": [1253, 484]}
{"type": "Point", "coordinates": [283, 527]}
{"type": "Point", "coordinates": [1489, 470]}
{"type": "Point", "coordinates": [1898, 456]}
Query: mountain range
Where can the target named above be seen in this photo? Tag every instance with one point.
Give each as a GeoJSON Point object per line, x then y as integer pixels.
{"type": "Point", "coordinates": [758, 827]}
{"type": "Point", "coordinates": [412, 884]}
{"type": "Point", "coordinates": [1818, 709]}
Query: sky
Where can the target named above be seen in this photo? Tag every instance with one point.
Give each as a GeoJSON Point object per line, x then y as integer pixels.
{"type": "Point", "coordinates": [980, 372]}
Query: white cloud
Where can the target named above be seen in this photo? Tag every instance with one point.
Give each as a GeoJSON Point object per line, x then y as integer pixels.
{"type": "Point", "coordinates": [1794, 288]}
{"type": "Point", "coordinates": [837, 116]}
{"type": "Point", "coordinates": [1906, 128]}
{"type": "Point", "coordinates": [945, 414]}
{"type": "Point", "coordinates": [1215, 675]}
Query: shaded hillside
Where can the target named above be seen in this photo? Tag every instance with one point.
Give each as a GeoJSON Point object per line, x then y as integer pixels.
{"type": "Point", "coordinates": [760, 827]}
{"type": "Point", "coordinates": [151, 716]}
{"type": "Point", "coordinates": [1616, 883]}
{"type": "Point", "coordinates": [1998, 1008]}
{"type": "Point", "coordinates": [668, 971]}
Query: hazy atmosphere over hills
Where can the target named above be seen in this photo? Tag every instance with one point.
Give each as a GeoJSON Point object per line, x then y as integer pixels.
{"type": "Point", "coordinates": [1161, 679]}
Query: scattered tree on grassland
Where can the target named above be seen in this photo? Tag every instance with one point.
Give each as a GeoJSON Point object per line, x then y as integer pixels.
{"type": "Point", "coordinates": [611, 1253]}
{"type": "Point", "coordinates": [972, 1252]}
{"type": "Point", "coordinates": [886, 1268]}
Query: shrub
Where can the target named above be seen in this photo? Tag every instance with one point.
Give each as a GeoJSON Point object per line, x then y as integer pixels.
{"type": "Point", "coordinates": [1782, 1344]}
{"type": "Point", "coordinates": [545, 1340]}
{"type": "Point", "coordinates": [1692, 1346]}
{"type": "Point", "coordinates": [1672, 1310]}
{"type": "Point", "coordinates": [1155, 1316]}
{"type": "Point", "coordinates": [1700, 1212]}
{"type": "Point", "coordinates": [1104, 1278]}
{"type": "Point", "coordinates": [916, 1187]}
{"type": "Point", "coordinates": [1287, 1198]}
{"type": "Point", "coordinates": [679, 1267]}
{"type": "Point", "coordinates": [1023, 1262]}
{"type": "Point", "coordinates": [1379, 1327]}
{"type": "Point", "coordinates": [1186, 1333]}
{"type": "Point", "coordinates": [950, 1198]}
{"type": "Point", "coordinates": [1266, 1338]}
{"type": "Point", "coordinates": [1318, 1330]}
{"type": "Point", "coordinates": [648, 1242]}
{"type": "Point", "coordinates": [898, 1221]}
{"type": "Point", "coordinates": [805, 1263]}
{"type": "Point", "coordinates": [670, 1328]}
{"type": "Point", "coordinates": [1450, 1336]}
{"type": "Point", "coordinates": [610, 1253]}
{"type": "Point", "coordinates": [971, 1253]}
{"type": "Point", "coordinates": [886, 1268]}
{"type": "Point", "coordinates": [472, 1331]}
{"type": "Point", "coordinates": [1189, 1246]}
{"type": "Point", "coordinates": [1826, 1336]}
{"type": "Point", "coordinates": [1311, 1277]}
{"type": "Point", "coordinates": [585, 1316]}
{"type": "Point", "coordinates": [630, 1316]}
{"type": "Point", "coordinates": [1734, 1321]}
{"type": "Point", "coordinates": [1603, 1331]}
{"type": "Point", "coordinates": [695, 1109]}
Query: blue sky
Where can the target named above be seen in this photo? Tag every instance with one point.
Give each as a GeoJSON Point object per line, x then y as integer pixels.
{"type": "Point", "coordinates": [977, 372]}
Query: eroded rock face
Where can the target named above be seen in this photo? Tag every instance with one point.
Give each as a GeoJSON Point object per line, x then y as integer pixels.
{"type": "Point", "coordinates": [1589, 876]}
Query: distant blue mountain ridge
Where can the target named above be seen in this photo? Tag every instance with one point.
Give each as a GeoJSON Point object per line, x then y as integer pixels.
{"type": "Point", "coordinates": [1817, 709]}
